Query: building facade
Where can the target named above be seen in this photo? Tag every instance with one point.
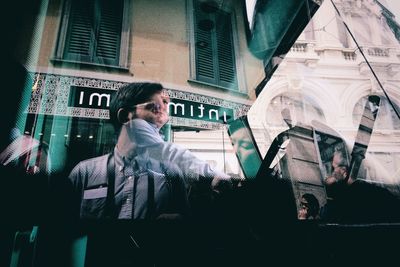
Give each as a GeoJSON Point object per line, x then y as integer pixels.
{"type": "Point", "coordinates": [80, 53]}
{"type": "Point", "coordinates": [326, 78]}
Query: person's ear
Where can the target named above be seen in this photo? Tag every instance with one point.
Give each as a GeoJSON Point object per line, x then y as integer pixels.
{"type": "Point", "coordinates": [124, 115]}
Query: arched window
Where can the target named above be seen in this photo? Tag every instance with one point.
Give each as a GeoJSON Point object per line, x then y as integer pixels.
{"type": "Point", "coordinates": [302, 109]}
{"type": "Point", "coordinates": [387, 118]}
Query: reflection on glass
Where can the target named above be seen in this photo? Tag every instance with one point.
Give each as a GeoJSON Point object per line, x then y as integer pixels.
{"type": "Point", "coordinates": [213, 58]}
{"type": "Point", "coordinates": [387, 118]}
{"type": "Point", "coordinates": [302, 109]}
{"type": "Point", "coordinates": [245, 147]}
{"type": "Point", "coordinates": [309, 207]}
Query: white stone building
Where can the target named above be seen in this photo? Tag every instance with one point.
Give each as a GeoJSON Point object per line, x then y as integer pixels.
{"type": "Point", "coordinates": [325, 77]}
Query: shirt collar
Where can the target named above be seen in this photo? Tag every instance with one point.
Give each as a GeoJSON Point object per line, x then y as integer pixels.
{"type": "Point", "coordinates": [139, 160]}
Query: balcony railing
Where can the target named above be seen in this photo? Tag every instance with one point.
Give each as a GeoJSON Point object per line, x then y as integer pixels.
{"type": "Point", "coordinates": [349, 55]}
{"type": "Point", "coordinates": [304, 49]}
{"type": "Point", "coordinates": [299, 48]}
{"type": "Point", "coordinates": [376, 51]}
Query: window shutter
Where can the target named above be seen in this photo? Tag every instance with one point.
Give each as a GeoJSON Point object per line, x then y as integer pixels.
{"type": "Point", "coordinates": [109, 33]}
{"type": "Point", "coordinates": [226, 56]}
{"type": "Point", "coordinates": [80, 33]}
{"type": "Point", "coordinates": [204, 31]}
{"type": "Point", "coordinates": [94, 31]}
{"type": "Point", "coordinates": [215, 55]}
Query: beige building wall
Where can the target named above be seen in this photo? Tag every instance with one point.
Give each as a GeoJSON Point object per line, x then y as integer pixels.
{"type": "Point", "coordinates": [159, 49]}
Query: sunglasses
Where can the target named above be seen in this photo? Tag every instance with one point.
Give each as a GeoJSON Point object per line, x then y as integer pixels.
{"type": "Point", "coordinates": [154, 107]}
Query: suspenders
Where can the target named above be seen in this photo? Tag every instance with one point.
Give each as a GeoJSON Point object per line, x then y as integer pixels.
{"type": "Point", "coordinates": [150, 196]}
{"type": "Point", "coordinates": [110, 200]}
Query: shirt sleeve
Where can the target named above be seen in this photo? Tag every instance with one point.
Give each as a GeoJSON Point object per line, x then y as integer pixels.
{"type": "Point", "coordinates": [192, 167]}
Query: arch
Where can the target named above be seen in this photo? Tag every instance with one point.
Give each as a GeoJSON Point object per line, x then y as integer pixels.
{"type": "Point", "coordinates": [356, 91]}
{"type": "Point", "coordinates": [384, 120]}
{"type": "Point", "coordinates": [353, 94]}
{"type": "Point", "coordinates": [315, 91]}
{"type": "Point", "coordinates": [322, 94]}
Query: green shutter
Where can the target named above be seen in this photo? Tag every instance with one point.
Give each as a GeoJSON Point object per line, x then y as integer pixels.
{"type": "Point", "coordinates": [204, 32]}
{"type": "Point", "coordinates": [215, 54]}
{"type": "Point", "coordinates": [94, 32]}
{"type": "Point", "coordinates": [225, 51]}
{"type": "Point", "coordinates": [80, 31]}
{"type": "Point", "coordinates": [109, 33]}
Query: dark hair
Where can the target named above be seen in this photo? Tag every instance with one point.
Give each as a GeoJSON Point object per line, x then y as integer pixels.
{"type": "Point", "coordinates": [130, 95]}
{"type": "Point", "coordinates": [313, 204]}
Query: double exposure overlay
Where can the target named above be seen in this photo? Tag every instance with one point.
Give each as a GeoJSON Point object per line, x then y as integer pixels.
{"type": "Point", "coordinates": [215, 112]}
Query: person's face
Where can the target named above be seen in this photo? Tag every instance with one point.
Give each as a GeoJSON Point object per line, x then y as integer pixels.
{"type": "Point", "coordinates": [241, 144]}
{"type": "Point", "coordinates": [155, 110]}
{"type": "Point", "coordinates": [303, 212]}
{"type": "Point", "coordinates": [339, 170]}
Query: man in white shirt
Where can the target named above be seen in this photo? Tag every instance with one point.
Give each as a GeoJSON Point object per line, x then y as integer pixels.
{"type": "Point", "coordinates": [145, 177]}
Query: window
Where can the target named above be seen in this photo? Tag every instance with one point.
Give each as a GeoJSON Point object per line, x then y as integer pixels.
{"type": "Point", "coordinates": [214, 45]}
{"type": "Point", "coordinates": [94, 31]}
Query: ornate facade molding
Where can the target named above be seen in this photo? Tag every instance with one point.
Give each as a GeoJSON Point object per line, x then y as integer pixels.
{"type": "Point", "coordinates": [51, 94]}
